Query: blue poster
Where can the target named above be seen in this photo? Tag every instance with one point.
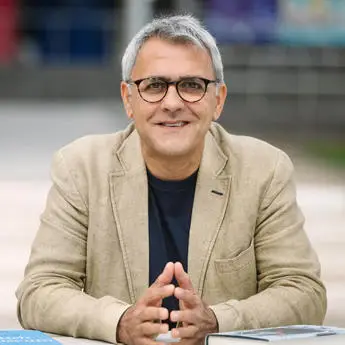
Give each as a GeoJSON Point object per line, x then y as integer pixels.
{"type": "Point", "coordinates": [242, 21]}
{"type": "Point", "coordinates": [26, 337]}
{"type": "Point", "coordinates": [312, 22]}
{"type": "Point", "coordinates": [74, 34]}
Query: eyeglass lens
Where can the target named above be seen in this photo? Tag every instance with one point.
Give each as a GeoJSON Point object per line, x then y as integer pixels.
{"type": "Point", "coordinates": [189, 89]}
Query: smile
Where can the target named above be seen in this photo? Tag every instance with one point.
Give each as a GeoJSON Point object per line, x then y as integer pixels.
{"type": "Point", "coordinates": [173, 124]}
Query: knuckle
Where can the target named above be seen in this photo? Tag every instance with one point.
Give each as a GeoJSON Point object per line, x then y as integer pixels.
{"type": "Point", "coordinates": [149, 293]}
{"type": "Point", "coordinates": [144, 331]}
{"type": "Point", "coordinates": [195, 331]}
{"type": "Point", "coordinates": [149, 328]}
{"type": "Point", "coordinates": [188, 316]}
{"type": "Point", "coordinates": [137, 311]}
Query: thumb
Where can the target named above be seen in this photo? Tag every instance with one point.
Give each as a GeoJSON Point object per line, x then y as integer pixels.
{"type": "Point", "coordinates": [166, 276]}
{"type": "Point", "coordinates": [182, 277]}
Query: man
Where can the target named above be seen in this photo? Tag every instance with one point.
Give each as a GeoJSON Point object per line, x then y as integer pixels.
{"type": "Point", "coordinates": [172, 221]}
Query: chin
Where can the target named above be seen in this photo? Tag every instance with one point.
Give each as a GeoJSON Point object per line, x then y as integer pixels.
{"type": "Point", "coordinates": [174, 151]}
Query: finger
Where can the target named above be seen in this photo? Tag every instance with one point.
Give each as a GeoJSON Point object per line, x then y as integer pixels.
{"type": "Point", "coordinates": [153, 295]}
{"type": "Point", "coordinates": [189, 332]}
{"type": "Point", "coordinates": [187, 297]}
{"type": "Point", "coordinates": [182, 277]}
{"type": "Point", "coordinates": [166, 276]}
{"type": "Point", "coordinates": [151, 329]}
{"type": "Point", "coordinates": [183, 316]}
{"type": "Point", "coordinates": [153, 313]}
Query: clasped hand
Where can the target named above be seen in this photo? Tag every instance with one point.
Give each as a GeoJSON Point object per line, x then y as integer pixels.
{"type": "Point", "coordinates": [141, 323]}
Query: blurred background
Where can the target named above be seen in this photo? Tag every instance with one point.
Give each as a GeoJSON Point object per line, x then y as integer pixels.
{"type": "Point", "coordinates": [284, 64]}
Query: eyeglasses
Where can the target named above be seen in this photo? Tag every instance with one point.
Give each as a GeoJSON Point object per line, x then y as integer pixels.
{"type": "Point", "coordinates": [153, 89]}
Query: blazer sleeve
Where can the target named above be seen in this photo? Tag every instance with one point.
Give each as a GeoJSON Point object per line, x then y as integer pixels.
{"type": "Point", "coordinates": [288, 271]}
{"type": "Point", "coordinates": [51, 297]}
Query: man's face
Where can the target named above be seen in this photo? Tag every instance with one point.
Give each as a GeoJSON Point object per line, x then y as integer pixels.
{"type": "Point", "coordinates": [172, 127]}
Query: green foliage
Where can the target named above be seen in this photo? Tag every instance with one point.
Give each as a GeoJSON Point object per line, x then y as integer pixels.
{"type": "Point", "coordinates": [333, 153]}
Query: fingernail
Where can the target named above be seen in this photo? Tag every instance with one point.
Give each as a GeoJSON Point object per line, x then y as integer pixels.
{"type": "Point", "coordinates": [173, 316]}
{"type": "Point", "coordinates": [175, 333]}
{"type": "Point", "coordinates": [163, 314]}
{"type": "Point", "coordinates": [178, 291]}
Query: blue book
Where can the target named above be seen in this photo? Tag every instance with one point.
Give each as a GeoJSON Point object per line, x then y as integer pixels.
{"type": "Point", "coordinates": [289, 335]}
{"type": "Point", "coordinates": [25, 337]}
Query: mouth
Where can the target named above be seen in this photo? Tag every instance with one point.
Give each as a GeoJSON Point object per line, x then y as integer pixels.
{"type": "Point", "coordinates": [175, 124]}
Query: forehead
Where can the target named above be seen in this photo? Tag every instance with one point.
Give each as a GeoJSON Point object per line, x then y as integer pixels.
{"type": "Point", "coordinates": [158, 57]}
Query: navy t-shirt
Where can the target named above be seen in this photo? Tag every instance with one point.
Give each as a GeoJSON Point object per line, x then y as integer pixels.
{"type": "Point", "coordinates": [170, 211]}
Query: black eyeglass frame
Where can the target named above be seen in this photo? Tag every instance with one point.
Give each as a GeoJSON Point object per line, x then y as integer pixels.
{"type": "Point", "coordinates": [176, 83]}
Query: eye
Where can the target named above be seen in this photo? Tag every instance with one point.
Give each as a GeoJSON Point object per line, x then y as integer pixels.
{"type": "Point", "coordinates": [192, 85]}
{"type": "Point", "coordinates": [155, 85]}
{"type": "Point", "coordinates": [152, 86]}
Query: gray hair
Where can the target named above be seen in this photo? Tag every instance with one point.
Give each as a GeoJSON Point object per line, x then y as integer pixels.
{"type": "Point", "coordinates": [181, 28]}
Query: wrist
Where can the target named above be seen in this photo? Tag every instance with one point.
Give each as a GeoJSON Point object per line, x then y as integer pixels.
{"type": "Point", "coordinates": [121, 332]}
{"type": "Point", "coordinates": [214, 324]}
{"type": "Point", "coordinates": [121, 335]}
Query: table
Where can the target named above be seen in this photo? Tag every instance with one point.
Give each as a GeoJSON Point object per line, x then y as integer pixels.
{"type": "Point", "coordinates": [166, 338]}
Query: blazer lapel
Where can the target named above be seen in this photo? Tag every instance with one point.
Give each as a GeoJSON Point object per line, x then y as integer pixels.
{"type": "Point", "coordinates": [210, 202]}
{"type": "Point", "coordinates": [129, 197]}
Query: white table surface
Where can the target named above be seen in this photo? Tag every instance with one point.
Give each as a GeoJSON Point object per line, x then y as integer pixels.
{"type": "Point", "coordinates": [75, 341]}
{"type": "Point", "coordinates": [338, 339]}
{"type": "Point", "coordinates": [79, 341]}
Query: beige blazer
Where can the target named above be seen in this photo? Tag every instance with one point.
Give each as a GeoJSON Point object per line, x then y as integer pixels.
{"type": "Point", "coordinates": [249, 257]}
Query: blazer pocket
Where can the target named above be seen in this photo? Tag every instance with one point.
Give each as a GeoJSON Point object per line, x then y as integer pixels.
{"type": "Point", "coordinates": [237, 263]}
{"type": "Point", "coordinates": [237, 276]}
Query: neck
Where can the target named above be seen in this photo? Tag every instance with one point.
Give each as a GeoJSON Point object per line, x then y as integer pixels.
{"type": "Point", "coordinates": [172, 168]}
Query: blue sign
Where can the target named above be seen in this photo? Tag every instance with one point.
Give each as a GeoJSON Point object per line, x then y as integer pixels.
{"type": "Point", "coordinates": [243, 21]}
{"type": "Point", "coordinates": [312, 22]}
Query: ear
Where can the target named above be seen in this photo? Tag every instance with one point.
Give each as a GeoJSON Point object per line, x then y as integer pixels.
{"type": "Point", "coordinates": [220, 97]}
{"type": "Point", "coordinates": [126, 98]}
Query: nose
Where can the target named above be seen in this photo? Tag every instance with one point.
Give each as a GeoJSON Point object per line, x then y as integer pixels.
{"type": "Point", "coordinates": [172, 102]}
